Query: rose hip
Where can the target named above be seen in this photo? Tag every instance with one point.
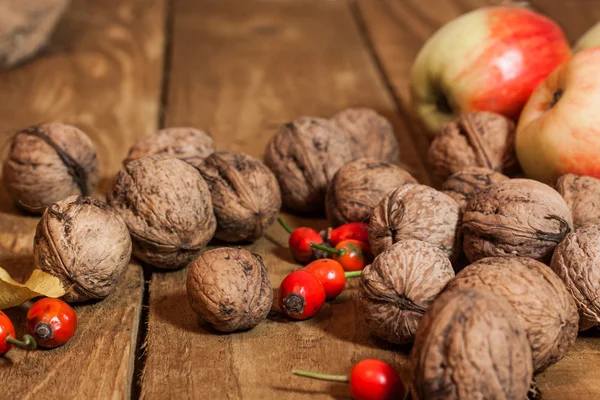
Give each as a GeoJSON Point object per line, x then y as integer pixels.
{"type": "Point", "coordinates": [8, 336]}
{"type": "Point", "coordinates": [369, 379]}
{"type": "Point", "coordinates": [353, 255]}
{"type": "Point", "coordinates": [300, 240]}
{"type": "Point", "coordinates": [301, 295]}
{"type": "Point", "coordinates": [352, 230]}
{"type": "Point", "coordinates": [52, 322]}
{"type": "Point", "coordinates": [332, 276]}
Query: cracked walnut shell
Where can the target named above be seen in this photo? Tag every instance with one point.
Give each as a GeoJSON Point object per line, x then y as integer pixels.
{"type": "Point", "coordinates": [396, 289]}
{"type": "Point", "coordinates": [48, 163]}
{"type": "Point", "coordinates": [581, 194]}
{"type": "Point", "coordinates": [470, 345]}
{"type": "Point", "coordinates": [358, 186]}
{"type": "Point", "coordinates": [575, 260]}
{"type": "Point", "coordinates": [167, 207]}
{"type": "Point", "coordinates": [188, 144]}
{"type": "Point", "coordinates": [304, 155]}
{"type": "Point", "coordinates": [245, 195]}
{"type": "Point", "coordinates": [419, 212]}
{"type": "Point", "coordinates": [517, 217]}
{"type": "Point", "coordinates": [229, 288]}
{"type": "Point", "coordinates": [546, 309]}
{"type": "Point", "coordinates": [84, 243]}
{"type": "Point", "coordinates": [371, 134]}
{"type": "Point", "coordinates": [462, 184]}
{"type": "Point", "coordinates": [481, 139]}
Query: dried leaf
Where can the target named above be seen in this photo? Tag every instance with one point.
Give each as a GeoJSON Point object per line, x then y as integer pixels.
{"type": "Point", "coordinates": [13, 293]}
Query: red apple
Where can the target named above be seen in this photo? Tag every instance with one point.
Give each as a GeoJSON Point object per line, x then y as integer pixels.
{"type": "Point", "coordinates": [559, 128]}
{"type": "Point", "coordinates": [589, 39]}
{"type": "Point", "coordinates": [490, 59]}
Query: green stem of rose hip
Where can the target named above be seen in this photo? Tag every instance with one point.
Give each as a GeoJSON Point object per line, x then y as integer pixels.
{"type": "Point", "coordinates": [285, 226]}
{"type": "Point", "coordinates": [353, 274]}
{"type": "Point", "coordinates": [323, 377]}
{"type": "Point", "coordinates": [28, 342]}
{"type": "Point", "coordinates": [328, 249]}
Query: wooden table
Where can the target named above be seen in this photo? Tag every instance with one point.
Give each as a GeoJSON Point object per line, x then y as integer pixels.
{"type": "Point", "coordinates": [121, 69]}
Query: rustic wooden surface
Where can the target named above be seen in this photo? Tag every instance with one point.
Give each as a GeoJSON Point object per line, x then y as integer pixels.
{"type": "Point", "coordinates": [238, 69]}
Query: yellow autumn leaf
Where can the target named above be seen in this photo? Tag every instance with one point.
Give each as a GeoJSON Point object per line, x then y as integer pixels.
{"type": "Point", "coordinates": [13, 293]}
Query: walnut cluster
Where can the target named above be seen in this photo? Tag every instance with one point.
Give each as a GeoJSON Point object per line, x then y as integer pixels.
{"type": "Point", "coordinates": [463, 184]}
{"type": "Point", "coordinates": [359, 186]}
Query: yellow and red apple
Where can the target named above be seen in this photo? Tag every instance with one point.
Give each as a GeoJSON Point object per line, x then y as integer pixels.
{"type": "Point", "coordinates": [489, 59]}
{"type": "Point", "coordinates": [559, 128]}
{"type": "Point", "coordinates": [589, 39]}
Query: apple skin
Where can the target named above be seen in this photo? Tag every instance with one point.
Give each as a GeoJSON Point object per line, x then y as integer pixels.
{"type": "Point", "coordinates": [489, 59]}
{"type": "Point", "coordinates": [559, 128]}
{"type": "Point", "coordinates": [589, 39]}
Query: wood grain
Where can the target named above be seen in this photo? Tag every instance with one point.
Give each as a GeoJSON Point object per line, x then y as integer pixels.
{"type": "Point", "coordinates": [102, 72]}
{"type": "Point", "coordinates": [575, 16]}
{"type": "Point", "coordinates": [240, 69]}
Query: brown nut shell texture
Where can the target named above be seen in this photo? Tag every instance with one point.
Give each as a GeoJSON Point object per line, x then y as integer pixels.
{"type": "Point", "coordinates": [575, 260]}
{"type": "Point", "coordinates": [462, 184]}
{"type": "Point", "coordinates": [304, 155]}
{"type": "Point", "coordinates": [167, 207]}
{"type": "Point", "coordinates": [229, 288]}
{"type": "Point", "coordinates": [415, 211]}
{"type": "Point", "coordinates": [48, 163]}
{"type": "Point", "coordinates": [517, 217]}
{"type": "Point", "coordinates": [84, 243]}
{"type": "Point", "coordinates": [359, 186]}
{"type": "Point", "coordinates": [245, 195]}
{"type": "Point", "coordinates": [582, 194]}
{"type": "Point", "coordinates": [481, 139]}
{"type": "Point", "coordinates": [396, 289]}
{"type": "Point", "coordinates": [188, 144]}
{"type": "Point", "coordinates": [471, 345]}
{"type": "Point", "coordinates": [546, 310]}
{"type": "Point", "coordinates": [371, 134]}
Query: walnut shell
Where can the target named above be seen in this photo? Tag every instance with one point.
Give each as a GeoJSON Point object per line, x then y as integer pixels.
{"type": "Point", "coordinates": [229, 288]}
{"type": "Point", "coordinates": [546, 309]}
{"type": "Point", "coordinates": [304, 155]}
{"type": "Point", "coordinates": [84, 243]}
{"type": "Point", "coordinates": [462, 184]}
{"type": "Point", "coordinates": [581, 194]}
{"type": "Point", "coordinates": [25, 27]}
{"type": "Point", "coordinates": [471, 345]}
{"type": "Point", "coordinates": [188, 144]}
{"type": "Point", "coordinates": [517, 217]}
{"type": "Point", "coordinates": [359, 186]}
{"type": "Point", "coordinates": [575, 260]}
{"type": "Point", "coordinates": [48, 163]}
{"type": "Point", "coordinates": [167, 207]}
{"type": "Point", "coordinates": [396, 289]}
{"type": "Point", "coordinates": [481, 139]}
{"type": "Point", "coordinates": [245, 195]}
{"type": "Point", "coordinates": [419, 212]}
{"type": "Point", "coordinates": [371, 134]}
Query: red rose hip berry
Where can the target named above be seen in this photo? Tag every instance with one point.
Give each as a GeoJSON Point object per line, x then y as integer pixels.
{"type": "Point", "coordinates": [8, 336]}
{"type": "Point", "coordinates": [301, 295]}
{"type": "Point", "coordinates": [332, 276]}
{"type": "Point", "coordinates": [52, 322]}
{"type": "Point", "coordinates": [300, 242]}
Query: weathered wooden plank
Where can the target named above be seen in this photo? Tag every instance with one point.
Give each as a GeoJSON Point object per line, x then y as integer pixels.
{"type": "Point", "coordinates": [240, 69]}
{"type": "Point", "coordinates": [101, 72]}
{"type": "Point", "coordinates": [575, 16]}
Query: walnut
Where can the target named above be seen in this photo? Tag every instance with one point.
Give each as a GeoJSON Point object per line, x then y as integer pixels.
{"type": "Point", "coordinates": [462, 184]}
{"type": "Point", "coordinates": [84, 243]}
{"type": "Point", "coordinates": [517, 217]}
{"type": "Point", "coordinates": [188, 144]}
{"type": "Point", "coordinates": [245, 195]}
{"type": "Point", "coordinates": [481, 139]}
{"type": "Point", "coordinates": [575, 260]}
{"type": "Point", "coordinates": [167, 207]}
{"type": "Point", "coordinates": [546, 309]}
{"type": "Point", "coordinates": [396, 289]}
{"type": "Point", "coordinates": [47, 163]}
{"type": "Point", "coordinates": [581, 194]}
{"type": "Point", "coordinates": [419, 212]}
{"type": "Point", "coordinates": [304, 155]}
{"type": "Point", "coordinates": [358, 186]}
{"type": "Point", "coordinates": [371, 134]}
{"type": "Point", "coordinates": [229, 288]}
{"type": "Point", "coordinates": [25, 27]}
{"type": "Point", "coordinates": [470, 345]}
